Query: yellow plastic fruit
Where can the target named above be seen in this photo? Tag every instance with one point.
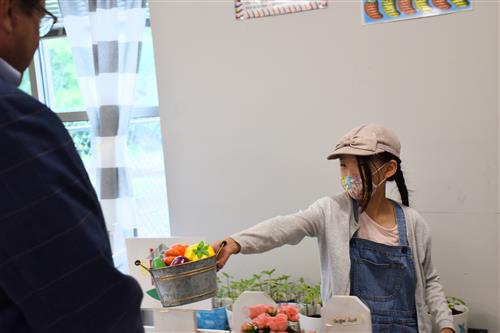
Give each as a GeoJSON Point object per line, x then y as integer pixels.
{"type": "Point", "coordinates": [199, 251]}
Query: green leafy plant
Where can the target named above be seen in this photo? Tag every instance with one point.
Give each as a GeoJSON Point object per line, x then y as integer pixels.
{"type": "Point", "coordinates": [311, 300]}
{"type": "Point", "coordinates": [455, 304]}
{"type": "Point", "coordinates": [224, 292]}
{"type": "Point", "coordinates": [282, 289]}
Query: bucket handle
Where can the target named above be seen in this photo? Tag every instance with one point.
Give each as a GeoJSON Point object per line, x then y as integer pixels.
{"type": "Point", "coordinates": [139, 263]}
{"type": "Point", "coordinates": [221, 245]}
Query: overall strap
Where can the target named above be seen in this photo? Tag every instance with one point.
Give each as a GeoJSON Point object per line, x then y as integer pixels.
{"type": "Point", "coordinates": [401, 221]}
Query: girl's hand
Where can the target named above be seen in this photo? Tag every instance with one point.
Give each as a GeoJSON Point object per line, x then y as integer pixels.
{"type": "Point", "coordinates": [231, 247]}
{"type": "Point", "coordinates": [447, 330]}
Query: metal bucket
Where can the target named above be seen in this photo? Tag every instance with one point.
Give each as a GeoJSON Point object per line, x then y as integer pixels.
{"type": "Point", "coordinates": [185, 283]}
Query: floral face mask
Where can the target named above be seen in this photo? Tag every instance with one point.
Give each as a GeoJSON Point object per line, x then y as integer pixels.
{"type": "Point", "coordinates": [353, 185]}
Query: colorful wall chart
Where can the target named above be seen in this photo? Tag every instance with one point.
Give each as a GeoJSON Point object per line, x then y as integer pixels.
{"type": "Point", "coordinates": [379, 11]}
{"type": "Point", "coordinates": [248, 9]}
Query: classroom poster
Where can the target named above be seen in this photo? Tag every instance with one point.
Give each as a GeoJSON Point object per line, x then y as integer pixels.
{"type": "Point", "coordinates": [380, 11]}
{"type": "Point", "coordinates": [248, 9]}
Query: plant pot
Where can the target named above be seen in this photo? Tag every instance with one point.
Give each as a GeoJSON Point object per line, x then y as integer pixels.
{"type": "Point", "coordinates": [460, 320]}
{"type": "Point", "coordinates": [308, 324]}
{"type": "Point", "coordinates": [310, 310]}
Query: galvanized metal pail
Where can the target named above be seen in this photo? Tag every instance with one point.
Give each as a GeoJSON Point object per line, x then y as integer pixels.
{"type": "Point", "coordinates": [186, 283]}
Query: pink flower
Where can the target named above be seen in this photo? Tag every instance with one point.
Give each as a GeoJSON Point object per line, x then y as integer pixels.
{"type": "Point", "coordinates": [261, 320]}
{"type": "Point", "coordinates": [256, 310]}
{"type": "Point", "coordinates": [278, 323]}
{"type": "Point", "coordinates": [291, 311]}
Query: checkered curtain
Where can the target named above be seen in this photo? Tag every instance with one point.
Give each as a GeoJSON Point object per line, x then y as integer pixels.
{"type": "Point", "coordinates": [106, 38]}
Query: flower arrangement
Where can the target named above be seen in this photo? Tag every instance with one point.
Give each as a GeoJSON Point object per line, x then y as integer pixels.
{"type": "Point", "coordinates": [272, 319]}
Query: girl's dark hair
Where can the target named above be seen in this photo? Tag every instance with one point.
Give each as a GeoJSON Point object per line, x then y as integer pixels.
{"type": "Point", "coordinates": [365, 170]}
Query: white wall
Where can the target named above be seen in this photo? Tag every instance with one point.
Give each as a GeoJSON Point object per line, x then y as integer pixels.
{"type": "Point", "coordinates": [251, 109]}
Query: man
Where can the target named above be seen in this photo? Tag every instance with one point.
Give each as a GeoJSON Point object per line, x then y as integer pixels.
{"type": "Point", "coordinates": [56, 269]}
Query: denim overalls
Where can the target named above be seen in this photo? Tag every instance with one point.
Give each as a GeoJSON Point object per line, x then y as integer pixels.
{"type": "Point", "coordinates": [383, 277]}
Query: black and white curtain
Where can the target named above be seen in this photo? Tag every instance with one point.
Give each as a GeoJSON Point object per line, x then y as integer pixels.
{"type": "Point", "coordinates": [106, 38]}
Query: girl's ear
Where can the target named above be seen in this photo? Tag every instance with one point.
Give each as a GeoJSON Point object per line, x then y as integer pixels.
{"type": "Point", "coordinates": [391, 169]}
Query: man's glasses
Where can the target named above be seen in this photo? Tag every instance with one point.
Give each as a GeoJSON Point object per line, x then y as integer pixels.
{"type": "Point", "coordinates": [47, 22]}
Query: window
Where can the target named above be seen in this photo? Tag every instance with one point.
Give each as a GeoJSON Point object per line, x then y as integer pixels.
{"type": "Point", "coordinates": [146, 92]}
{"type": "Point", "coordinates": [53, 80]}
{"type": "Point", "coordinates": [25, 83]}
{"type": "Point", "coordinates": [61, 90]}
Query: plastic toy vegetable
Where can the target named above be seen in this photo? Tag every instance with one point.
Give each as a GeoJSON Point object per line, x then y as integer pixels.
{"type": "Point", "coordinates": [199, 251]}
{"type": "Point", "coordinates": [176, 250]}
{"type": "Point", "coordinates": [179, 260]}
{"type": "Point", "coordinates": [158, 263]}
{"type": "Point", "coordinates": [168, 260]}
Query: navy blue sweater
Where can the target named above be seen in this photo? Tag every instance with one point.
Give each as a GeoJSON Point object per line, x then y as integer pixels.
{"type": "Point", "coordinates": [56, 269]}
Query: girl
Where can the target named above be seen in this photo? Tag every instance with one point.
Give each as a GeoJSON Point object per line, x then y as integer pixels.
{"type": "Point", "coordinates": [370, 246]}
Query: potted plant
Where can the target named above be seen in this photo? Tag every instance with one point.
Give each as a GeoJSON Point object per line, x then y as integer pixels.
{"type": "Point", "coordinates": [224, 291]}
{"type": "Point", "coordinates": [460, 312]}
{"type": "Point", "coordinates": [310, 301]}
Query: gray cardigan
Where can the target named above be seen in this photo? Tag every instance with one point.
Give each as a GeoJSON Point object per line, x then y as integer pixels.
{"type": "Point", "coordinates": [332, 222]}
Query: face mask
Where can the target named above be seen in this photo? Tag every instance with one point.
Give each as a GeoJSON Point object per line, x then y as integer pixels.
{"type": "Point", "coordinates": [353, 185]}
